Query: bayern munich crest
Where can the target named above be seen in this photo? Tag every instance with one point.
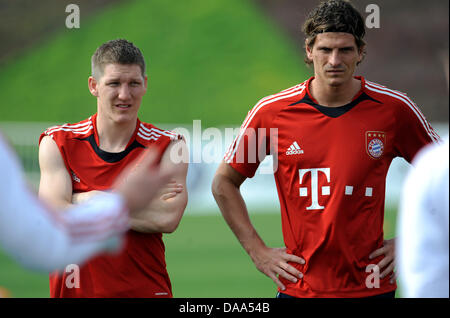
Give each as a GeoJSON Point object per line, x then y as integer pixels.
{"type": "Point", "coordinates": [375, 143]}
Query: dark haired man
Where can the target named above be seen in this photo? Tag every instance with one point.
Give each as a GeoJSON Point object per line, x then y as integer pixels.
{"type": "Point", "coordinates": [80, 160]}
{"type": "Point", "coordinates": [346, 131]}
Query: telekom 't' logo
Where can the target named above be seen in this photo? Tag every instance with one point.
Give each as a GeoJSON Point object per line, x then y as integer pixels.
{"type": "Point", "coordinates": [314, 186]}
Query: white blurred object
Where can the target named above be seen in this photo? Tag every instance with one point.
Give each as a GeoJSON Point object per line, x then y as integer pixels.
{"type": "Point", "coordinates": [423, 237]}
{"type": "Point", "coordinates": [46, 240]}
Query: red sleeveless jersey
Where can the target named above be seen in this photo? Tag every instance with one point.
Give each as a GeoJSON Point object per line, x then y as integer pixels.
{"type": "Point", "coordinates": [331, 166]}
{"type": "Point", "coordinates": [139, 270]}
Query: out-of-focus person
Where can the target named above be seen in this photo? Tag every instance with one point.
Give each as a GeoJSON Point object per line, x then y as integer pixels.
{"type": "Point", "coordinates": [45, 239]}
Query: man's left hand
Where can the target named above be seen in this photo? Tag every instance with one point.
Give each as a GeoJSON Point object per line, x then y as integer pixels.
{"type": "Point", "coordinates": [387, 264]}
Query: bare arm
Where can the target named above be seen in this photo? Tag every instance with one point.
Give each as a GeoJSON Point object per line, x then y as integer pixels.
{"type": "Point", "coordinates": [55, 186]}
{"type": "Point", "coordinates": [164, 213]}
{"type": "Point", "coordinates": [80, 197]}
{"type": "Point", "coordinates": [270, 261]}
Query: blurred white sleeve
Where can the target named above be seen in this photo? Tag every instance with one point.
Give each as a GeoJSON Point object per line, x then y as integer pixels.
{"type": "Point", "coordinates": [423, 224]}
{"type": "Point", "coordinates": [45, 240]}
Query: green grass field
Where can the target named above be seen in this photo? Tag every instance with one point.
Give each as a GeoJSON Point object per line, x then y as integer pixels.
{"type": "Point", "coordinates": [208, 60]}
{"type": "Point", "coordinates": [204, 259]}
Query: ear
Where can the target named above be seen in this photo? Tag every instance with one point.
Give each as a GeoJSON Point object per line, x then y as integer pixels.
{"type": "Point", "coordinates": [361, 53]}
{"type": "Point", "coordinates": [93, 86]}
{"type": "Point", "coordinates": [308, 51]}
{"type": "Point", "coordinates": [145, 82]}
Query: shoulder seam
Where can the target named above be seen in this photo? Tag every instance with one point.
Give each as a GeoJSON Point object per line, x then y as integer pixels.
{"type": "Point", "coordinates": [402, 97]}
{"type": "Point", "coordinates": [155, 133]}
{"type": "Point", "coordinates": [78, 128]}
{"type": "Point", "coordinates": [295, 90]}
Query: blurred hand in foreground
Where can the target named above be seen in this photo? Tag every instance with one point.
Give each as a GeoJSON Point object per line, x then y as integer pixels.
{"type": "Point", "coordinates": [142, 180]}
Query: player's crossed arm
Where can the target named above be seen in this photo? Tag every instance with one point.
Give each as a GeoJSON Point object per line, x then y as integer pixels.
{"type": "Point", "coordinates": [167, 191]}
{"type": "Point", "coordinates": [273, 262]}
{"type": "Point", "coordinates": [165, 212]}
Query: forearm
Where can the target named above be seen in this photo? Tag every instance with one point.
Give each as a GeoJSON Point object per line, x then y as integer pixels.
{"type": "Point", "coordinates": [161, 216]}
{"type": "Point", "coordinates": [164, 213]}
{"type": "Point", "coordinates": [273, 262]}
{"type": "Point", "coordinates": [81, 197]}
{"type": "Point", "coordinates": [234, 211]}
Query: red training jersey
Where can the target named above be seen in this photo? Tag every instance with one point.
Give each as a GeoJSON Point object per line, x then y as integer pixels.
{"type": "Point", "coordinates": [139, 270]}
{"type": "Point", "coordinates": [330, 167]}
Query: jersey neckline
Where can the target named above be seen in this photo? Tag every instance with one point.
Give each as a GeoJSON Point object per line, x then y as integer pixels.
{"type": "Point", "coordinates": [112, 157]}
{"type": "Point", "coordinates": [335, 112]}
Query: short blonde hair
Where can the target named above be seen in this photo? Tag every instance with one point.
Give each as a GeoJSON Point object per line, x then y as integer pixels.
{"type": "Point", "coordinates": [118, 51]}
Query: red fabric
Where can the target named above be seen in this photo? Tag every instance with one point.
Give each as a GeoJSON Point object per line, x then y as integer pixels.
{"type": "Point", "coordinates": [139, 270]}
{"type": "Point", "coordinates": [333, 231]}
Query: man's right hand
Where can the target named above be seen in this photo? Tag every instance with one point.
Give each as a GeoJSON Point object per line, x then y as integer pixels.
{"type": "Point", "coordinates": [274, 262]}
{"type": "Point", "coordinates": [170, 190]}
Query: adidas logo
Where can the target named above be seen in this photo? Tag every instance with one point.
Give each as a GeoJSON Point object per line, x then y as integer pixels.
{"type": "Point", "coordinates": [294, 149]}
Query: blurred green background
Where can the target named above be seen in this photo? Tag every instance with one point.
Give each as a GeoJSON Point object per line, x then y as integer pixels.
{"type": "Point", "coordinates": [208, 60]}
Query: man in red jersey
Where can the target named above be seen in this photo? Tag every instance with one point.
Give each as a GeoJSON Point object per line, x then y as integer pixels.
{"type": "Point", "coordinates": [336, 135]}
{"type": "Point", "coordinates": [81, 160]}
